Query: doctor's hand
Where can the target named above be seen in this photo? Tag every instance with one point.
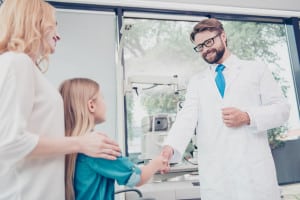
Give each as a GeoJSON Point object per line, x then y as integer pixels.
{"type": "Point", "coordinates": [99, 145]}
{"type": "Point", "coordinates": [166, 153]}
{"type": "Point", "coordinates": [233, 117]}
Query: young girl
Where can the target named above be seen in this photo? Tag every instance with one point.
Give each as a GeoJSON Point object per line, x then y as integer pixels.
{"type": "Point", "coordinates": [94, 178]}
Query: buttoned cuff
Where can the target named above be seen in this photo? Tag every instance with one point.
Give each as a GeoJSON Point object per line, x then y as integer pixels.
{"type": "Point", "coordinates": [135, 177]}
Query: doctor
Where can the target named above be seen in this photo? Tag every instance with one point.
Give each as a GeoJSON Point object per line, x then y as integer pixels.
{"type": "Point", "coordinates": [231, 104]}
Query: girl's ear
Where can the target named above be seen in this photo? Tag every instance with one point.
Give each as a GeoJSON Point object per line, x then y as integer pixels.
{"type": "Point", "coordinates": [91, 106]}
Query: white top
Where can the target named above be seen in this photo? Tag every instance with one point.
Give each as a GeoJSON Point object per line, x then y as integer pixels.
{"type": "Point", "coordinates": [234, 163]}
{"type": "Point", "coordinates": [30, 106]}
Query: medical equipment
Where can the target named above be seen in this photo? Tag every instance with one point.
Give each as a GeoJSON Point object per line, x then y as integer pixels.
{"type": "Point", "coordinates": [155, 130]}
{"type": "Point", "coordinates": [132, 81]}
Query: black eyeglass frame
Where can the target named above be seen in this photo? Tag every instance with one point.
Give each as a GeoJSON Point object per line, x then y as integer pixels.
{"type": "Point", "coordinates": [199, 47]}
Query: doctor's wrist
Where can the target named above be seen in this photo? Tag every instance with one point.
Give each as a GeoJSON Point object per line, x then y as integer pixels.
{"type": "Point", "coordinates": [246, 118]}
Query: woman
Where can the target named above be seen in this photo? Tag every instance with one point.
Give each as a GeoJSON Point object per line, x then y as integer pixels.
{"type": "Point", "coordinates": [32, 141]}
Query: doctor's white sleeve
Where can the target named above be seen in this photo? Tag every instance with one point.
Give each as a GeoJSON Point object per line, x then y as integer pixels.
{"type": "Point", "coordinates": [186, 120]}
{"type": "Point", "coordinates": [274, 109]}
{"type": "Point", "coordinates": [16, 97]}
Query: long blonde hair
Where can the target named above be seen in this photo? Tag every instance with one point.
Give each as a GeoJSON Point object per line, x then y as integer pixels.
{"type": "Point", "coordinates": [24, 25]}
{"type": "Point", "coordinates": [76, 93]}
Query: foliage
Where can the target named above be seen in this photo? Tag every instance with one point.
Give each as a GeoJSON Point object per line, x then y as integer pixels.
{"type": "Point", "coordinates": [161, 102]}
{"type": "Point", "coordinates": [253, 40]}
{"type": "Point", "coordinates": [159, 39]}
{"type": "Point", "coordinates": [129, 108]}
{"type": "Point", "coordinates": [274, 137]}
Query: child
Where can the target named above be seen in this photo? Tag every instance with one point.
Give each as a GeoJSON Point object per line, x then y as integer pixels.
{"type": "Point", "coordinates": [94, 178]}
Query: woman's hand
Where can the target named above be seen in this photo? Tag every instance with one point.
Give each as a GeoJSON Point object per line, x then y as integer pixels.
{"type": "Point", "coordinates": [99, 145]}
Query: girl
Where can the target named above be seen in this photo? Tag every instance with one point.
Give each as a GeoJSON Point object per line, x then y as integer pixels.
{"type": "Point", "coordinates": [93, 178]}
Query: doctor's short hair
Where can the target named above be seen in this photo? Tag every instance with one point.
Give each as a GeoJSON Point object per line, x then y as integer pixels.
{"type": "Point", "coordinates": [211, 25]}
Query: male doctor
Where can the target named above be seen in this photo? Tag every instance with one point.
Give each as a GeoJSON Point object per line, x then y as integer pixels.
{"type": "Point", "coordinates": [231, 104]}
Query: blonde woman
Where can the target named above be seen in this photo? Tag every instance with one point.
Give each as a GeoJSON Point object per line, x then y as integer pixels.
{"type": "Point", "coordinates": [94, 178]}
{"type": "Point", "coordinates": [32, 141]}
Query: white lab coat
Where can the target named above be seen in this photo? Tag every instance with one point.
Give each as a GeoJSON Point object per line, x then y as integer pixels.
{"type": "Point", "coordinates": [234, 163]}
{"type": "Point", "coordinates": [30, 106]}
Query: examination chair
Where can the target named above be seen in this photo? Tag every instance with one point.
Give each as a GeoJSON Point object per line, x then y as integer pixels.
{"type": "Point", "coordinates": [139, 194]}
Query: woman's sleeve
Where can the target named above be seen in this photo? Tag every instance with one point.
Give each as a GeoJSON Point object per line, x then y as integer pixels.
{"type": "Point", "coordinates": [122, 170]}
{"type": "Point", "coordinates": [16, 97]}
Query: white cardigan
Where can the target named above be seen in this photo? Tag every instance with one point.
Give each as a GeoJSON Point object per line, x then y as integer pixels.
{"type": "Point", "coordinates": [30, 106]}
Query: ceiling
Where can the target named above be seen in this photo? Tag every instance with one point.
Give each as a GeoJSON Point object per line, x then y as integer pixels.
{"type": "Point", "coordinates": [284, 8]}
{"type": "Point", "coordinates": [288, 5]}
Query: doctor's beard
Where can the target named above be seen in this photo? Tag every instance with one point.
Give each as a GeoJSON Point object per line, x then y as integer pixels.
{"type": "Point", "coordinates": [218, 55]}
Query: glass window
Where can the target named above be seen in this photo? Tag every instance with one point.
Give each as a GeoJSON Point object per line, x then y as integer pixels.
{"type": "Point", "coordinates": [159, 60]}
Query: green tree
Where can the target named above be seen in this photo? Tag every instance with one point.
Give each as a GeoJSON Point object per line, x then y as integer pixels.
{"type": "Point", "coordinates": [163, 102]}
{"type": "Point", "coordinates": [129, 108]}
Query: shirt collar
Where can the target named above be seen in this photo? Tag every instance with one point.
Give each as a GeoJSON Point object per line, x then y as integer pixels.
{"type": "Point", "coordinates": [230, 62]}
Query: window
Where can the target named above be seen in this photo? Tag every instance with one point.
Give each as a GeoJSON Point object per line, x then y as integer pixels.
{"type": "Point", "coordinates": [158, 51]}
{"type": "Point", "coordinates": [159, 60]}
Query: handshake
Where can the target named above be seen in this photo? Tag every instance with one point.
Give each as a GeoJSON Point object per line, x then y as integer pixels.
{"type": "Point", "coordinates": [163, 159]}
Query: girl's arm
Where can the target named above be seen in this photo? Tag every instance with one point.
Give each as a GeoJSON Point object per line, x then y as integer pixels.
{"type": "Point", "coordinates": [151, 168]}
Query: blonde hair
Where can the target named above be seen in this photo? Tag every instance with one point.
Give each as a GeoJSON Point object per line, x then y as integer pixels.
{"type": "Point", "coordinates": [76, 93]}
{"type": "Point", "coordinates": [24, 25]}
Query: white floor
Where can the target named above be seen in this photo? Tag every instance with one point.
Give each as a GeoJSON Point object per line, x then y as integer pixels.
{"type": "Point", "coordinates": [290, 192]}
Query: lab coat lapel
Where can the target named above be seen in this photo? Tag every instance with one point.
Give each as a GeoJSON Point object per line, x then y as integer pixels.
{"type": "Point", "coordinates": [209, 83]}
{"type": "Point", "coordinates": [231, 78]}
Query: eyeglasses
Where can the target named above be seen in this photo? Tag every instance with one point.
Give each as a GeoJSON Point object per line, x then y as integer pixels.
{"type": "Point", "coordinates": [207, 43]}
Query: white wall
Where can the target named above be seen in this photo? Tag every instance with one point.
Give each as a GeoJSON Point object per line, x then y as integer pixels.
{"type": "Point", "coordinates": [87, 49]}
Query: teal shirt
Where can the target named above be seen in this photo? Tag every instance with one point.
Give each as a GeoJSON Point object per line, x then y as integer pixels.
{"type": "Point", "coordinates": [94, 178]}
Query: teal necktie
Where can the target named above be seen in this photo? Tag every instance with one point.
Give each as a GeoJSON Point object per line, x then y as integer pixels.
{"type": "Point", "coordinates": [220, 81]}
